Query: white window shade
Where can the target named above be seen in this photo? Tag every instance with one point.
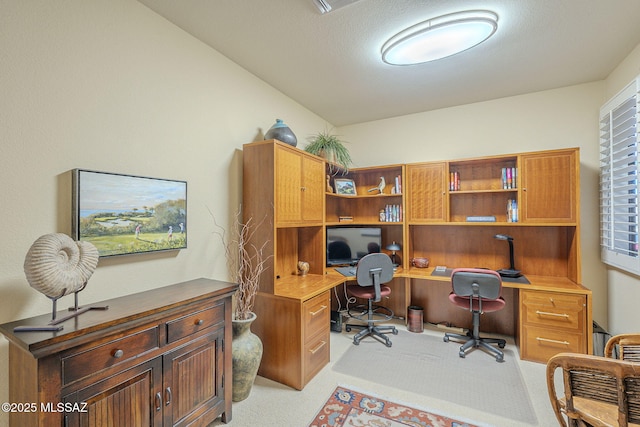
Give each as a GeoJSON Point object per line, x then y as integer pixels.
{"type": "Point", "coordinates": [619, 165]}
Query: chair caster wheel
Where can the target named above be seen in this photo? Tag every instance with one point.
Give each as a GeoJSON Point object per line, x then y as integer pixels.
{"type": "Point", "coordinates": [461, 354]}
{"type": "Point", "coordinates": [348, 329]}
{"type": "Point", "coordinates": [499, 358]}
{"type": "Point", "coordinates": [395, 332]}
{"type": "Point", "coordinates": [356, 342]}
{"type": "Point", "coordinates": [501, 345]}
{"type": "Point", "coordinates": [445, 339]}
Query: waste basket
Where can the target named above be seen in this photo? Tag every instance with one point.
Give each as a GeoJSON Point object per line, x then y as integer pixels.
{"type": "Point", "coordinates": [415, 317]}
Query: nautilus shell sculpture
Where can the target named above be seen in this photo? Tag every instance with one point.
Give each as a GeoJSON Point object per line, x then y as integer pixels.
{"type": "Point", "coordinates": [56, 265]}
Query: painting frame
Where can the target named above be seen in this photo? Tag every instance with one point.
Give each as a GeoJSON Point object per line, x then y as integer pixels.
{"type": "Point", "coordinates": [345, 187]}
{"type": "Point", "coordinates": [122, 214]}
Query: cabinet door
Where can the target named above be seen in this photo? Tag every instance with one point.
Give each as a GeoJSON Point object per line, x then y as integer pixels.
{"type": "Point", "coordinates": [299, 187]}
{"type": "Point", "coordinates": [193, 385]}
{"type": "Point", "coordinates": [288, 171]}
{"type": "Point", "coordinates": [126, 399]}
{"type": "Point", "coordinates": [550, 187]}
{"type": "Point", "coordinates": [313, 189]}
{"type": "Point", "coordinates": [427, 202]}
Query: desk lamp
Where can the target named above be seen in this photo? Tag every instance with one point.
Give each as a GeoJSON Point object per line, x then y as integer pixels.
{"type": "Point", "coordinates": [511, 272]}
{"type": "Point", "coordinates": [393, 248]}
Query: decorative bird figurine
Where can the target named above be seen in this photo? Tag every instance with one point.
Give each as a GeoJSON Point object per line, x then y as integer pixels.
{"type": "Point", "coordinates": [380, 186]}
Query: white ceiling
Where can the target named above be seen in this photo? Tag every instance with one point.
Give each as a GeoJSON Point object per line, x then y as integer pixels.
{"type": "Point", "coordinates": [330, 63]}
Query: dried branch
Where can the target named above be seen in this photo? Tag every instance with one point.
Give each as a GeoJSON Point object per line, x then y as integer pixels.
{"type": "Point", "coordinates": [245, 261]}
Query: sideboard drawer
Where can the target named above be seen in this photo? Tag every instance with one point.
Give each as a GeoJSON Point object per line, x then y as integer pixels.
{"type": "Point", "coordinates": [316, 315]}
{"type": "Point", "coordinates": [188, 325]}
{"type": "Point", "coordinates": [554, 309]}
{"type": "Point", "coordinates": [104, 356]}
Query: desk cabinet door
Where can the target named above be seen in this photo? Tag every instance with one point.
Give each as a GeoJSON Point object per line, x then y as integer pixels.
{"type": "Point", "coordinates": [550, 187]}
{"type": "Point", "coordinates": [299, 191]}
{"type": "Point", "coordinates": [427, 201]}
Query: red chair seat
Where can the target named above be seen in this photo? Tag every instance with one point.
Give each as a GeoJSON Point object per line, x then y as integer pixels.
{"type": "Point", "coordinates": [368, 292]}
{"type": "Point", "coordinates": [487, 305]}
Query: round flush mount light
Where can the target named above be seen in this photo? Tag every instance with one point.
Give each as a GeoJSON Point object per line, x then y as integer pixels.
{"type": "Point", "coordinates": [440, 37]}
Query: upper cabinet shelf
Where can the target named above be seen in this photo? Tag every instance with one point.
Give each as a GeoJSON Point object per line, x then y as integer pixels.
{"type": "Point", "coordinates": [524, 189]}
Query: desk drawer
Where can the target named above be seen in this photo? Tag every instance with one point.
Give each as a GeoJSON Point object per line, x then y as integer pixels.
{"type": "Point", "coordinates": [194, 322]}
{"type": "Point", "coordinates": [557, 310]}
{"type": "Point", "coordinates": [316, 355]}
{"type": "Point", "coordinates": [540, 343]}
{"type": "Point", "coordinates": [316, 315]}
{"type": "Point", "coordinates": [104, 356]}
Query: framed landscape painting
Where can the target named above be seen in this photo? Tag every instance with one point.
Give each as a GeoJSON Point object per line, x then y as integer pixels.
{"type": "Point", "coordinates": [126, 214]}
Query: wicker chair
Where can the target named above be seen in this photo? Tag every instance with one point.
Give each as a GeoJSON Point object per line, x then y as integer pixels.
{"type": "Point", "coordinates": [598, 391]}
{"type": "Point", "coordinates": [628, 347]}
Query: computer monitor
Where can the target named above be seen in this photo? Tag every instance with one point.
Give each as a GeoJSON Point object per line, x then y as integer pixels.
{"type": "Point", "coordinates": [346, 245]}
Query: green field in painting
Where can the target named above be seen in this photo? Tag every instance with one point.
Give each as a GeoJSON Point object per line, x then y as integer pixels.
{"type": "Point", "coordinates": [127, 243]}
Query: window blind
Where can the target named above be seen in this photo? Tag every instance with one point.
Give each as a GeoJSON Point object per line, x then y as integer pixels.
{"type": "Point", "coordinates": [619, 164]}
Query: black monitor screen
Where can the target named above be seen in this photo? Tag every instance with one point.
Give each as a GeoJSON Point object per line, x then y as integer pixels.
{"type": "Point", "coordinates": [346, 245]}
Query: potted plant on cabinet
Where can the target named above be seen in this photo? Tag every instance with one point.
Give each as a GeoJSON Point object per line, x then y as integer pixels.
{"type": "Point", "coordinates": [331, 148]}
{"type": "Point", "coordinates": [246, 263]}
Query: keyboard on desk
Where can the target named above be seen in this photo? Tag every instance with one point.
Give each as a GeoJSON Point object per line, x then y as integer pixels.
{"type": "Point", "coordinates": [346, 271]}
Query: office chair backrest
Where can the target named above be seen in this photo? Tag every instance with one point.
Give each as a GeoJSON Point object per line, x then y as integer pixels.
{"type": "Point", "coordinates": [374, 270]}
{"type": "Point", "coordinates": [476, 282]}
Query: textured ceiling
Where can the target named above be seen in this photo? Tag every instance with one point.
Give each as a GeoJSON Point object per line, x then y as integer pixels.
{"type": "Point", "coordinates": [330, 63]}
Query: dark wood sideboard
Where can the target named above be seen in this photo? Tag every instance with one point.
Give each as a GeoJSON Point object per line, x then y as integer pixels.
{"type": "Point", "coordinates": [156, 358]}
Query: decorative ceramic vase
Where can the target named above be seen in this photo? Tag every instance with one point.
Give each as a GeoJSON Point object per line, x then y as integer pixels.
{"type": "Point", "coordinates": [246, 354]}
{"type": "Point", "coordinates": [281, 132]}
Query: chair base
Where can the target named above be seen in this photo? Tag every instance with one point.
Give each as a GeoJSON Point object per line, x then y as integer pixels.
{"type": "Point", "coordinates": [371, 314]}
{"type": "Point", "coordinates": [477, 342]}
{"type": "Point", "coordinates": [377, 332]}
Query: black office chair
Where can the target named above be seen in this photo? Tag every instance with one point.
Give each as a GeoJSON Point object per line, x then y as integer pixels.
{"type": "Point", "coordinates": [373, 271]}
{"type": "Point", "coordinates": [477, 290]}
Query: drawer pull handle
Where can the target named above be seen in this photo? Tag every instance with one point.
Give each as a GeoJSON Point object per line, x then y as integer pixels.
{"type": "Point", "coordinates": [168, 395]}
{"type": "Point", "coordinates": [313, 313]}
{"type": "Point", "coordinates": [546, 313]}
{"type": "Point", "coordinates": [117, 353]}
{"type": "Point", "coordinates": [158, 401]}
{"type": "Point", "coordinates": [199, 322]}
{"type": "Point", "coordinates": [553, 341]}
{"type": "Point", "coordinates": [315, 350]}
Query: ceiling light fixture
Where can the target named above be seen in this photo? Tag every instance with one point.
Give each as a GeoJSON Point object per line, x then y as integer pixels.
{"type": "Point", "coordinates": [440, 37]}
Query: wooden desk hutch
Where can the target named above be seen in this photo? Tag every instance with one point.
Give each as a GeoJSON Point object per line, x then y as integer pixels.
{"type": "Point", "coordinates": [286, 187]}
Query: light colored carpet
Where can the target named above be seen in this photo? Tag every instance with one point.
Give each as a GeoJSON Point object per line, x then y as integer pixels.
{"type": "Point", "coordinates": [273, 404]}
{"type": "Point", "coordinates": [428, 366]}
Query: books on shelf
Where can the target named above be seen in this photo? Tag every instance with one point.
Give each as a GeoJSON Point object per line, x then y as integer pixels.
{"type": "Point", "coordinates": [509, 178]}
{"type": "Point", "coordinates": [391, 213]}
{"type": "Point", "coordinates": [454, 181]}
{"type": "Point", "coordinates": [512, 210]}
{"type": "Point", "coordinates": [397, 185]}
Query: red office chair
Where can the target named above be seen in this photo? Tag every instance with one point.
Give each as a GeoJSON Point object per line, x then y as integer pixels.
{"type": "Point", "coordinates": [374, 270]}
{"type": "Point", "coordinates": [477, 290]}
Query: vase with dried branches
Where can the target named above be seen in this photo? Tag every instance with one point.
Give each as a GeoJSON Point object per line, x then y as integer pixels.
{"type": "Point", "coordinates": [246, 262]}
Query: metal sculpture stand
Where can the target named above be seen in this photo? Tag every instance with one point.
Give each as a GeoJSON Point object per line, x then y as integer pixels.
{"type": "Point", "coordinates": [54, 324]}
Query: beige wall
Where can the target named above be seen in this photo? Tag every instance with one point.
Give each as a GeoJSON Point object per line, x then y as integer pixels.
{"type": "Point", "coordinates": [112, 86]}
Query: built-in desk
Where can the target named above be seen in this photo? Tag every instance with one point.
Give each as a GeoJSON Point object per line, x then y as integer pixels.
{"type": "Point", "coordinates": [432, 209]}
{"type": "Point", "coordinates": [546, 316]}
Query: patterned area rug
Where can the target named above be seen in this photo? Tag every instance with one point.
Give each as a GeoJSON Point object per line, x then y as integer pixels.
{"type": "Point", "coordinates": [347, 407]}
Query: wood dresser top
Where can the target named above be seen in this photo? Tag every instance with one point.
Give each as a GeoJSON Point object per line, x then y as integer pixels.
{"type": "Point", "coordinates": [121, 310]}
